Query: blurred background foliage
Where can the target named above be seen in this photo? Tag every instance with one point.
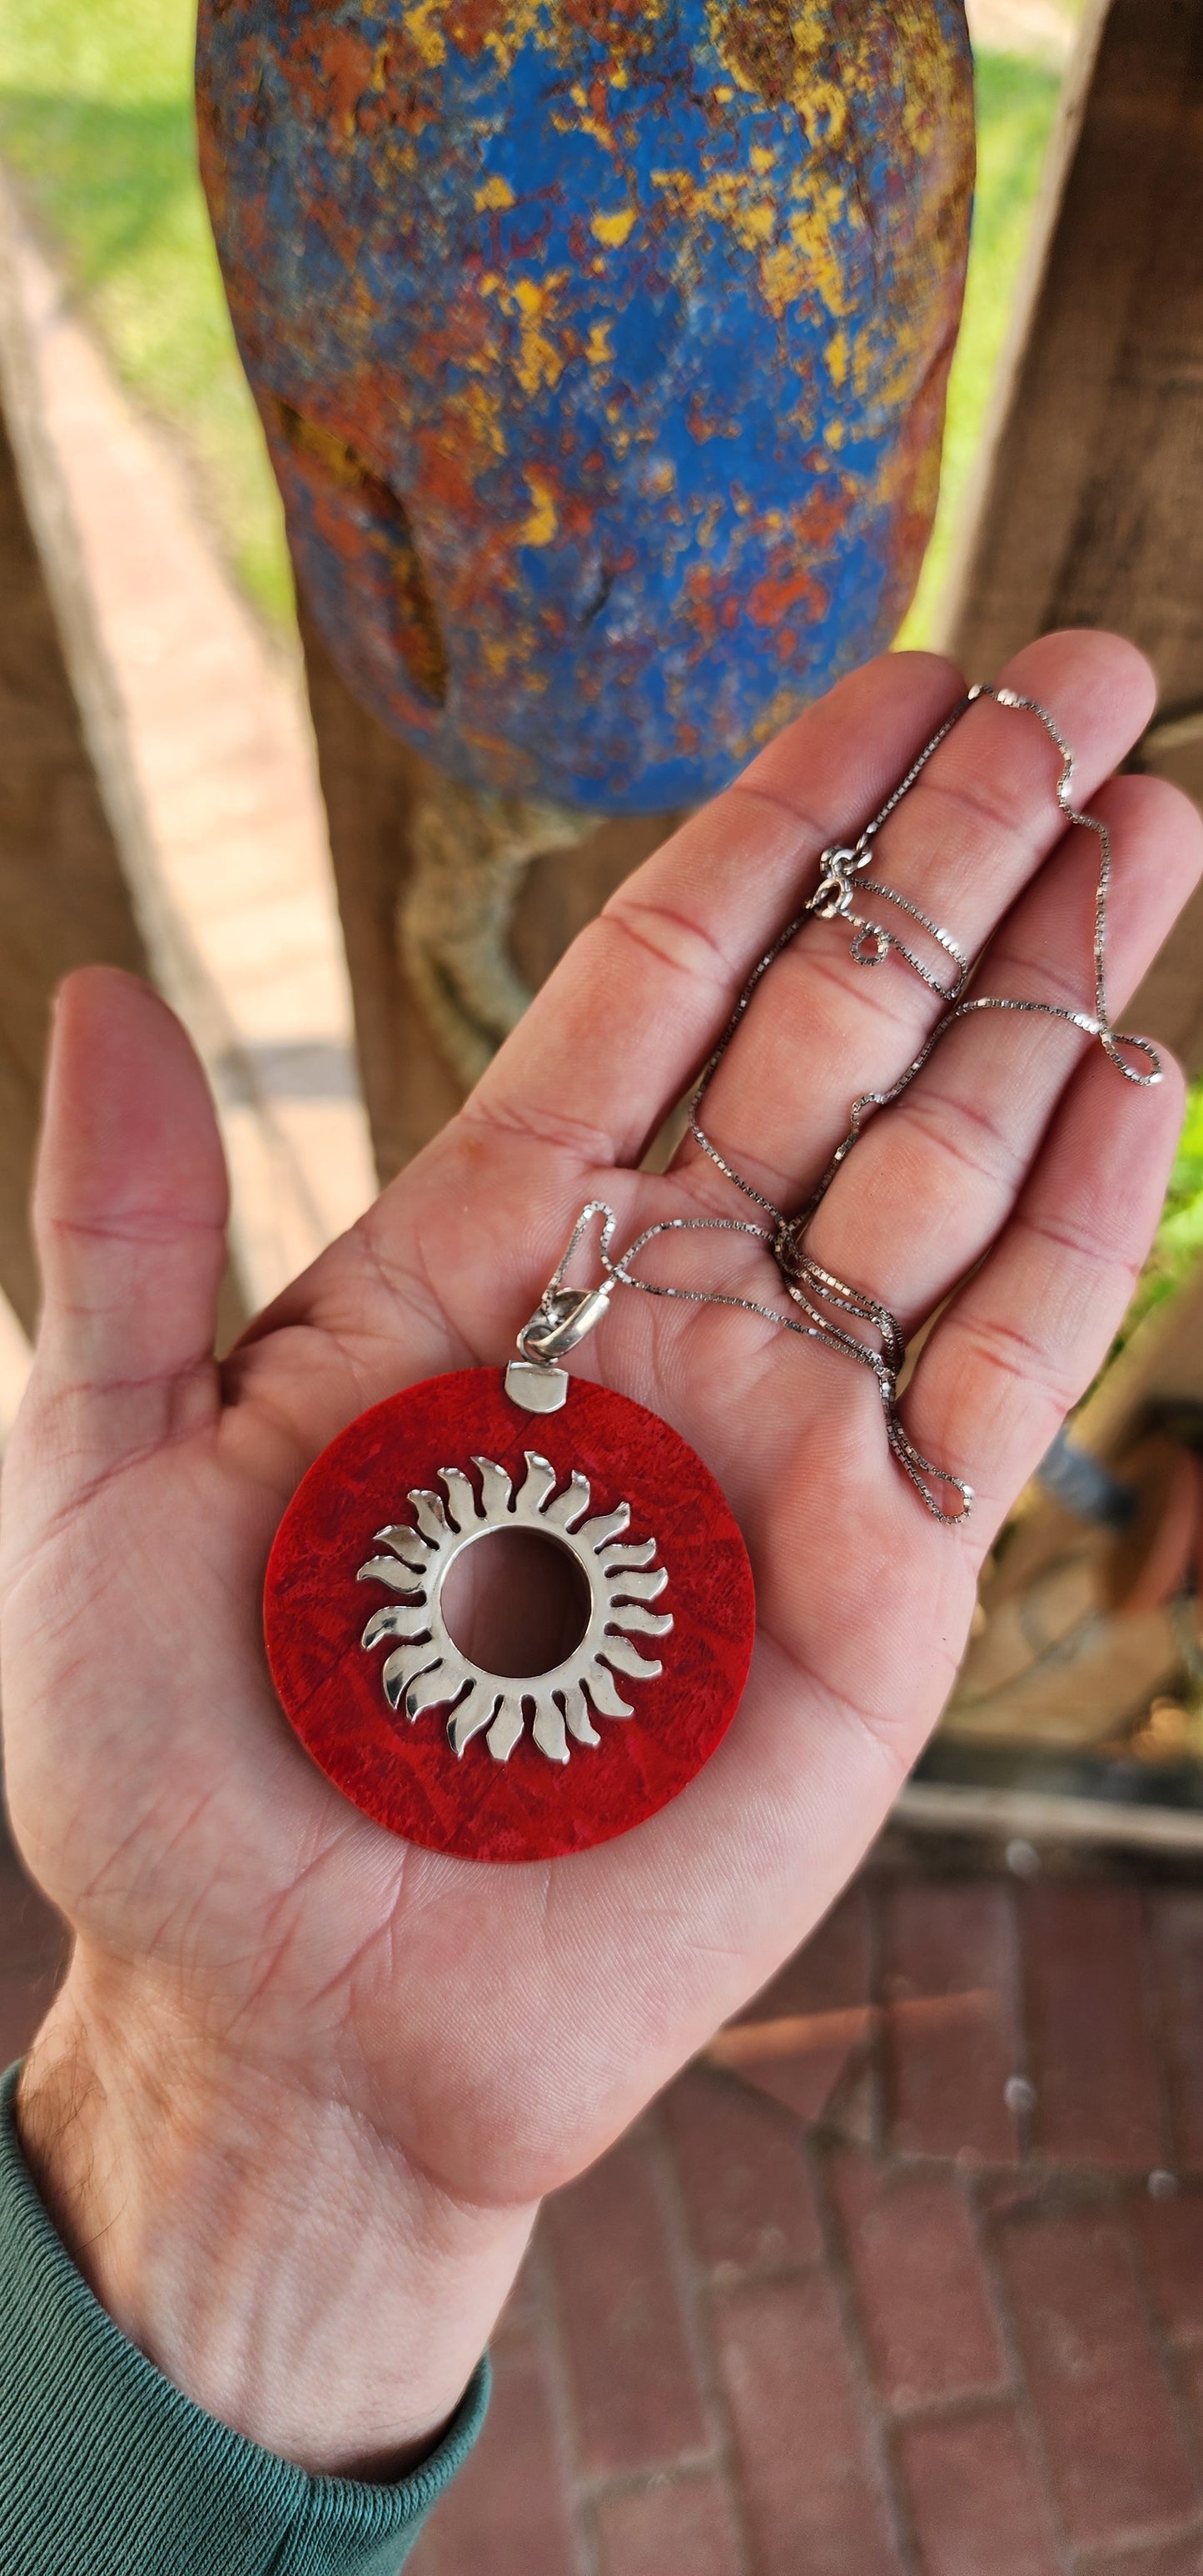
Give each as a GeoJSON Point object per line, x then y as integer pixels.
{"type": "Point", "coordinates": [96, 127]}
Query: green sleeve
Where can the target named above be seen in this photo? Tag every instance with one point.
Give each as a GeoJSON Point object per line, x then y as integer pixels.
{"type": "Point", "coordinates": [106, 2469]}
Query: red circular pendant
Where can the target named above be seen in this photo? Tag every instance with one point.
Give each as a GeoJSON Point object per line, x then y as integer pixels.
{"type": "Point", "coordinates": [547, 1765]}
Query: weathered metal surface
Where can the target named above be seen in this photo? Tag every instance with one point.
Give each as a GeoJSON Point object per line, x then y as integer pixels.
{"type": "Point", "coordinates": [601, 349]}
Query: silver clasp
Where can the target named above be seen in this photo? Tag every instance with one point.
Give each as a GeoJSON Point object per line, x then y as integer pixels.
{"type": "Point", "coordinates": [833, 894]}
{"type": "Point", "coordinates": [562, 1320]}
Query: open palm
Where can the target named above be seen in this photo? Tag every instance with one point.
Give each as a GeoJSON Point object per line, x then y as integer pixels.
{"type": "Point", "coordinates": [501, 2024]}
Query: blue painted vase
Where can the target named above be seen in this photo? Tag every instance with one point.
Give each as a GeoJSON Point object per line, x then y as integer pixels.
{"type": "Point", "coordinates": [601, 351]}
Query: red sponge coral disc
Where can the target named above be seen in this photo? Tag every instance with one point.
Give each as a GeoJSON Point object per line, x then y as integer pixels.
{"type": "Point", "coordinates": [403, 1770]}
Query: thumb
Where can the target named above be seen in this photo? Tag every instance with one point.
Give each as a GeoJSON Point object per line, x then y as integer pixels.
{"type": "Point", "coordinates": [130, 1205]}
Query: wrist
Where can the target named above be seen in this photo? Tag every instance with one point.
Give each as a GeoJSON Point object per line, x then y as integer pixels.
{"type": "Point", "coordinates": [266, 2247]}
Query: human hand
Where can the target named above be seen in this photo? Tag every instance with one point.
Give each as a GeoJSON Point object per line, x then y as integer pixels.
{"type": "Point", "coordinates": [305, 2083]}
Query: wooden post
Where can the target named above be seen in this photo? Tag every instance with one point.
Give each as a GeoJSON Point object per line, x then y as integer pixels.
{"type": "Point", "coordinates": [1089, 508]}
{"type": "Point", "coordinates": [63, 897]}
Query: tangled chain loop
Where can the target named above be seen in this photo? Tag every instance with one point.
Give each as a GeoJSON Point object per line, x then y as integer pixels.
{"type": "Point", "coordinates": [843, 886]}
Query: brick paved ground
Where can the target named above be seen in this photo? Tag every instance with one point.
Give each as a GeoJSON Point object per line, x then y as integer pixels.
{"type": "Point", "coordinates": [221, 765]}
{"type": "Point", "coordinates": [910, 2284]}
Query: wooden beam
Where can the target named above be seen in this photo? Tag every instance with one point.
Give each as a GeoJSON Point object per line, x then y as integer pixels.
{"type": "Point", "coordinates": [1088, 510]}
{"type": "Point", "coordinates": [372, 784]}
{"type": "Point", "coordinates": [1169, 1004]}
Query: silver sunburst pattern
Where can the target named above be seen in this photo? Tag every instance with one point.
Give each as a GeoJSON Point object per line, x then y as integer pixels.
{"type": "Point", "coordinates": [428, 1670]}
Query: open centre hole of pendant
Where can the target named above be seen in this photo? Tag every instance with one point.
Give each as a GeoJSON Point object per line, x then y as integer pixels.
{"type": "Point", "coordinates": [516, 1603]}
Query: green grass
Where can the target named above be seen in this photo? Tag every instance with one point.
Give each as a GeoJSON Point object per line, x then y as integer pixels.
{"type": "Point", "coordinates": [1016, 107]}
{"type": "Point", "coordinates": [96, 125]}
{"type": "Point", "coordinates": [1180, 1233]}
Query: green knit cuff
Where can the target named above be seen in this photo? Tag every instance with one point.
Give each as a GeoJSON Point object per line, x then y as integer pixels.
{"type": "Point", "coordinates": [106, 2469]}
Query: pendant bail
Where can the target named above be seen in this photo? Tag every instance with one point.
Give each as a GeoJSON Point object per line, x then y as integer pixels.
{"type": "Point", "coordinates": [561, 1320]}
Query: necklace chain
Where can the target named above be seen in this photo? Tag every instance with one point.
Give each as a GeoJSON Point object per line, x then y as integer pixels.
{"type": "Point", "coordinates": [843, 881]}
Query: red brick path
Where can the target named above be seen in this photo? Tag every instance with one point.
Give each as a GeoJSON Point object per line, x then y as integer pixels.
{"type": "Point", "coordinates": [896, 2300]}
{"type": "Point", "coordinates": [910, 2285]}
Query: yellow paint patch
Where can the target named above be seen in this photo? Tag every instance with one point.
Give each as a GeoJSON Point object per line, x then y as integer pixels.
{"type": "Point", "coordinates": [613, 230]}
{"type": "Point", "coordinates": [598, 348]}
{"type": "Point", "coordinates": [583, 121]}
{"type": "Point", "coordinates": [784, 277]}
{"type": "Point", "coordinates": [480, 409]}
{"type": "Point", "coordinates": [523, 19]}
{"type": "Point", "coordinates": [723, 197]}
{"type": "Point", "coordinates": [495, 194]}
{"type": "Point", "coordinates": [620, 435]}
{"type": "Point", "coordinates": [755, 223]}
{"type": "Point", "coordinates": [538, 361]}
{"type": "Point", "coordinates": [421, 25]}
{"type": "Point", "coordinates": [543, 522]}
